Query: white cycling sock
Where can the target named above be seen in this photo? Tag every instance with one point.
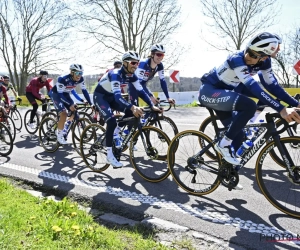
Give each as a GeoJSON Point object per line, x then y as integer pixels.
{"type": "Point", "coordinates": [109, 152]}
{"type": "Point", "coordinates": [117, 130]}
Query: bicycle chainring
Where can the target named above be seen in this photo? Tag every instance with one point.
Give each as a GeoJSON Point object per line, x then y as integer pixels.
{"type": "Point", "coordinates": [228, 176]}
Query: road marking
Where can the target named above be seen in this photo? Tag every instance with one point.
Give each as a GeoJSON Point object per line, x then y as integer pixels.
{"type": "Point", "coordinates": [215, 217]}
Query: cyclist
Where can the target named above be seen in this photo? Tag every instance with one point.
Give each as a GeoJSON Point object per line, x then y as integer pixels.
{"type": "Point", "coordinates": [146, 71]}
{"type": "Point", "coordinates": [3, 94]}
{"type": "Point", "coordinates": [237, 72]}
{"type": "Point", "coordinates": [107, 96]}
{"type": "Point", "coordinates": [63, 101]}
{"type": "Point", "coordinates": [273, 87]}
{"type": "Point", "coordinates": [9, 86]}
{"type": "Point", "coordinates": [33, 94]}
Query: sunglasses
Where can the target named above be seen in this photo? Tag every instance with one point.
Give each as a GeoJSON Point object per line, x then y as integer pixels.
{"type": "Point", "coordinates": [159, 54]}
{"type": "Point", "coordinates": [133, 63]}
{"type": "Point", "coordinates": [78, 73]}
{"type": "Point", "coordinates": [252, 55]}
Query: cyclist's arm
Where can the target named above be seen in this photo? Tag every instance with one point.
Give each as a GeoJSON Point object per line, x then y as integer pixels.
{"type": "Point", "coordinates": [85, 93]}
{"type": "Point", "coordinates": [163, 83]}
{"type": "Point", "coordinates": [256, 90]}
{"type": "Point", "coordinates": [272, 86]}
{"type": "Point", "coordinates": [142, 93]}
{"type": "Point", "coordinates": [74, 93]}
{"type": "Point", "coordinates": [7, 101]}
{"type": "Point", "coordinates": [60, 90]}
{"type": "Point", "coordinates": [35, 89]}
{"type": "Point", "coordinates": [116, 89]}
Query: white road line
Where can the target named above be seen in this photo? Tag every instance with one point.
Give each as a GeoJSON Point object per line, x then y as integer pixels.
{"type": "Point", "coordinates": [215, 217]}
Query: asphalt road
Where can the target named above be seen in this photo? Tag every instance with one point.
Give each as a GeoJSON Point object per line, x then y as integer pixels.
{"type": "Point", "coordinates": [240, 217]}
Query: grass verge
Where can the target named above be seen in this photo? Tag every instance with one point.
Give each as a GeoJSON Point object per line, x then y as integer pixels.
{"type": "Point", "coordinates": [28, 222]}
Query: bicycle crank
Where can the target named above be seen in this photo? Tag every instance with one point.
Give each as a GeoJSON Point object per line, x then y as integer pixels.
{"type": "Point", "coordinates": [152, 153]}
{"type": "Point", "coordinates": [228, 176]}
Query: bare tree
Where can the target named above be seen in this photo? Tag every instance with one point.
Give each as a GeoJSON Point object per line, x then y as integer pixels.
{"type": "Point", "coordinates": [32, 34]}
{"type": "Point", "coordinates": [234, 21]}
{"type": "Point", "coordinates": [121, 25]}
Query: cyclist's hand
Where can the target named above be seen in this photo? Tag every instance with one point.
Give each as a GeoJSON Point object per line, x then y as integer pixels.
{"type": "Point", "coordinates": [154, 100]}
{"type": "Point", "coordinates": [137, 112]}
{"type": "Point", "coordinates": [170, 100]}
{"type": "Point", "coordinates": [154, 108]}
{"type": "Point", "coordinates": [290, 114]}
{"type": "Point", "coordinates": [72, 107]}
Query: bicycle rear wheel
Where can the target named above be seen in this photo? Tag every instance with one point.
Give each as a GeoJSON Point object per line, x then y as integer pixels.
{"type": "Point", "coordinates": [47, 134]}
{"type": "Point", "coordinates": [77, 129]}
{"type": "Point", "coordinates": [150, 164]}
{"type": "Point", "coordinates": [190, 165]}
{"type": "Point", "coordinates": [274, 180]}
{"type": "Point", "coordinates": [6, 141]}
{"type": "Point", "coordinates": [17, 118]}
{"type": "Point", "coordinates": [93, 148]}
{"type": "Point", "coordinates": [9, 123]}
{"type": "Point", "coordinates": [167, 125]}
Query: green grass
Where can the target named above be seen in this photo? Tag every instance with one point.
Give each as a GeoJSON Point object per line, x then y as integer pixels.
{"type": "Point", "coordinates": [28, 222]}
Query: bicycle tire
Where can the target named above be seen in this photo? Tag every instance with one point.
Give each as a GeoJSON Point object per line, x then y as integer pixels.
{"type": "Point", "coordinates": [77, 128]}
{"type": "Point", "coordinates": [283, 185]}
{"type": "Point", "coordinates": [17, 118]}
{"type": "Point", "coordinates": [197, 183]}
{"type": "Point", "coordinates": [47, 135]}
{"type": "Point", "coordinates": [9, 123]}
{"type": "Point", "coordinates": [89, 149]}
{"type": "Point", "coordinates": [50, 114]}
{"type": "Point", "coordinates": [157, 170]}
{"type": "Point", "coordinates": [26, 122]}
{"type": "Point", "coordinates": [5, 138]}
{"type": "Point", "coordinates": [169, 127]}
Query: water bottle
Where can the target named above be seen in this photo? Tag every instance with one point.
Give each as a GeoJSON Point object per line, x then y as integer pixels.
{"type": "Point", "coordinates": [67, 124]}
{"type": "Point", "coordinates": [247, 144]}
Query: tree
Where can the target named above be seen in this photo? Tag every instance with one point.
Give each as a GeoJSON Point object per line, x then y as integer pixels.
{"type": "Point", "coordinates": [121, 25]}
{"type": "Point", "coordinates": [234, 21]}
{"type": "Point", "coordinates": [32, 34]}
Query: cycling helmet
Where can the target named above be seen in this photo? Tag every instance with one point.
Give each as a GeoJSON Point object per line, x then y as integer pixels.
{"type": "Point", "coordinates": [76, 67]}
{"type": "Point", "coordinates": [6, 77]}
{"type": "Point", "coordinates": [43, 72]}
{"type": "Point", "coordinates": [131, 55]}
{"type": "Point", "coordinates": [263, 43]}
{"type": "Point", "coordinates": [278, 38]}
{"type": "Point", "coordinates": [117, 62]}
{"type": "Point", "coordinates": [158, 47]}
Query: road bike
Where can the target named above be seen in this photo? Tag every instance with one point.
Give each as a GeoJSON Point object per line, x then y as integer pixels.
{"type": "Point", "coordinates": [6, 141]}
{"type": "Point", "coordinates": [147, 149]}
{"type": "Point", "coordinates": [198, 174]}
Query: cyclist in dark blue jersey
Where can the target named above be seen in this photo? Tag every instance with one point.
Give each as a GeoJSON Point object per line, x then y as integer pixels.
{"type": "Point", "coordinates": [107, 96]}
{"type": "Point", "coordinates": [236, 73]}
{"type": "Point", "coordinates": [146, 70]}
{"type": "Point", "coordinates": [62, 99]}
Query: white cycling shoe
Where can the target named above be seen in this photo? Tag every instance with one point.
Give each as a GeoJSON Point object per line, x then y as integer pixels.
{"type": "Point", "coordinates": [61, 139]}
{"type": "Point", "coordinates": [114, 162]}
{"type": "Point", "coordinates": [228, 154]}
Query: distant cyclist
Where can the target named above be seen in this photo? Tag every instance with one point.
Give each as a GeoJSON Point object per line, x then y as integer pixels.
{"type": "Point", "coordinates": [33, 94]}
{"type": "Point", "coordinates": [3, 94]}
{"type": "Point", "coordinates": [9, 86]}
{"type": "Point", "coordinates": [62, 99]}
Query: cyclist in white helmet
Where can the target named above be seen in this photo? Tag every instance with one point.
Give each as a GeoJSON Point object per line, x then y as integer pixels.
{"type": "Point", "coordinates": [63, 101]}
{"type": "Point", "coordinates": [236, 72]}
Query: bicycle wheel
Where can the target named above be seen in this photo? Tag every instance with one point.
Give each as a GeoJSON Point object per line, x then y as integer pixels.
{"type": "Point", "coordinates": [150, 164]}
{"type": "Point", "coordinates": [47, 135]}
{"type": "Point", "coordinates": [167, 125]}
{"type": "Point", "coordinates": [274, 180]}
{"type": "Point", "coordinates": [77, 128]}
{"type": "Point", "coordinates": [50, 114]}
{"type": "Point", "coordinates": [93, 148]}
{"type": "Point", "coordinates": [9, 123]}
{"type": "Point", "coordinates": [207, 128]}
{"type": "Point", "coordinates": [190, 165]}
{"type": "Point", "coordinates": [17, 118]}
{"type": "Point", "coordinates": [36, 121]}
{"type": "Point", "coordinates": [6, 141]}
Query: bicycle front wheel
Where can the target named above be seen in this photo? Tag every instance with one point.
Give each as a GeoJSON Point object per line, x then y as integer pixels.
{"type": "Point", "coordinates": [6, 141]}
{"type": "Point", "coordinates": [150, 162]}
{"type": "Point", "coordinates": [47, 134]}
{"type": "Point", "coordinates": [78, 127]}
{"type": "Point", "coordinates": [9, 123]}
{"type": "Point", "coordinates": [190, 165]}
{"type": "Point", "coordinates": [93, 147]}
{"type": "Point", "coordinates": [167, 125]}
{"type": "Point", "coordinates": [275, 182]}
{"type": "Point", "coordinates": [36, 122]}
{"type": "Point", "coordinates": [17, 118]}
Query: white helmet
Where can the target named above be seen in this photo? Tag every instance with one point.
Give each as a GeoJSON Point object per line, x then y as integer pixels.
{"type": "Point", "coordinates": [158, 47]}
{"type": "Point", "coordinates": [131, 55]}
{"type": "Point", "coordinates": [76, 67]}
{"type": "Point", "coordinates": [278, 38]}
{"type": "Point", "coordinates": [263, 43]}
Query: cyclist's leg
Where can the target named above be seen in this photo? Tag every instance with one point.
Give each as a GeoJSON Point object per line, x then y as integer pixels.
{"type": "Point", "coordinates": [133, 96]}
{"type": "Point", "coordinates": [32, 100]}
{"type": "Point", "coordinates": [228, 101]}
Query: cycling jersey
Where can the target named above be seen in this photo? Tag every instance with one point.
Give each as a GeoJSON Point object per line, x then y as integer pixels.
{"type": "Point", "coordinates": [66, 85]}
{"type": "Point", "coordinates": [4, 94]}
{"type": "Point", "coordinates": [234, 71]}
{"type": "Point", "coordinates": [36, 84]}
{"type": "Point", "coordinates": [110, 85]}
{"type": "Point", "coordinates": [145, 73]}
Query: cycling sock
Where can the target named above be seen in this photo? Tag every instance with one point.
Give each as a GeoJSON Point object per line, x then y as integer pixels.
{"type": "Point", "coordinates": [117, 130]}
{"type": "Point", "coordinates": [109, 152]}
{"type": "Point", "coordinates": [225, 142]}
